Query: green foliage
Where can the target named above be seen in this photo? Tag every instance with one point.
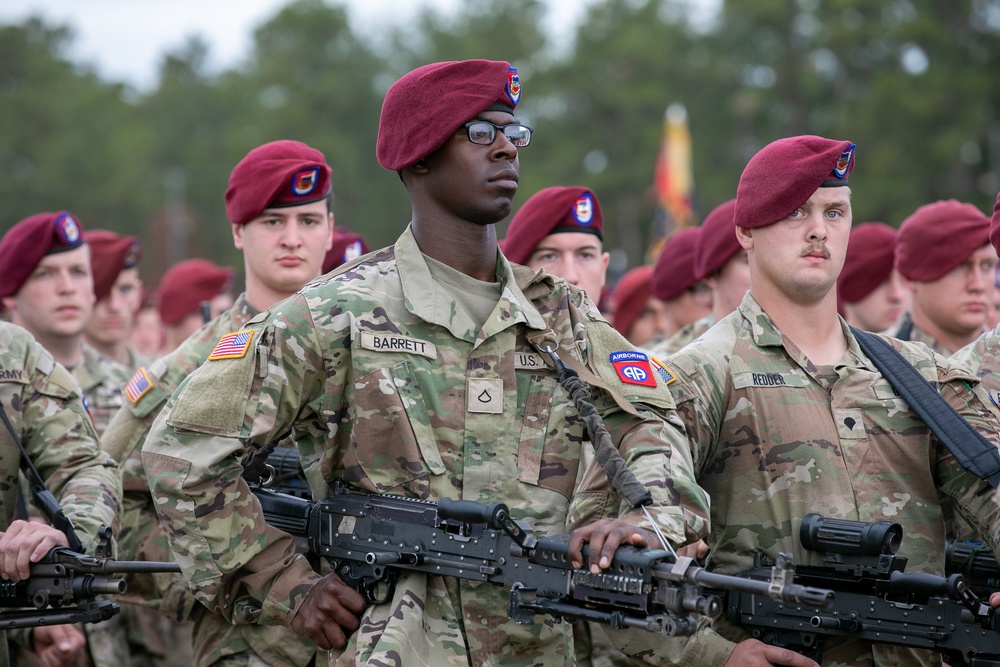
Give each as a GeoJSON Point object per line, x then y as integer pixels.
{"type": "Point", "coordinates": [912, 82]}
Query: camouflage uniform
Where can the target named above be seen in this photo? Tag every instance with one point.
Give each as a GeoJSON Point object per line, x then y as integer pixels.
{"type": "Point", "coordinates": [775, 437]}
{"type": "Point", "coordinates": [101, 378]}
{"type": "Point", "coordinates": [684, 336]}
{"type": "Point", "coordinates": [913, 333]}
{"type": "Point", "coordinates": [43, 404]}
{"type": "Point", "coordinates": [214, 637]}
{"type": "Point", "coordinates": [396, 390]}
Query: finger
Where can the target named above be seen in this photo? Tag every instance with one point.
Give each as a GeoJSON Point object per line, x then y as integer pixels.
{"type": "Point", "coordinates": [995, 599]}
{"type": "Point", "coordinates": [23, 556]}
{"type": "Point", "coordinates": [781, 656]}
{"type": "Point", "coordinates": [614, 540]}
{"type": "Point", "coordinates": [575, 546]}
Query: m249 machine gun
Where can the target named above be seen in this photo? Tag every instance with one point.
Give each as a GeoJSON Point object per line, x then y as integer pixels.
{"type": "Point", "coordinates": [63, 587]}
{"type": "Point", "coordinates": [371, 539]}
{"type": "Point", "coordinates": [876, 600]}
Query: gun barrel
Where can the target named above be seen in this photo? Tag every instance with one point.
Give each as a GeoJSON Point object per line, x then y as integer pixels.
{"type": "Point", "coordinates": [106, 587]}
{"type": "Point", "coordinates": [140, 567]}
{"type": "Point", "coordinates": [820, 598]}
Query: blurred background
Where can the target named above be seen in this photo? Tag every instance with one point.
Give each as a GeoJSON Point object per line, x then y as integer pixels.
{"type": "Point", "coordinates": [132, 114]}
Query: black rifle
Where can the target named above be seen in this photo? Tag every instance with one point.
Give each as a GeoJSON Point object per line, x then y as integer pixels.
{"type": "Point", "coordinates": [370, 539]}
{"type": "Point", "coordinates": [876, 600]}
{"type": "Point", "coordinates": [63, 587]}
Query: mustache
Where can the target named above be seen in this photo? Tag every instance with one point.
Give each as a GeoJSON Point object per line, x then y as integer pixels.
{"type": "Point", "coordinates": [817, 248]}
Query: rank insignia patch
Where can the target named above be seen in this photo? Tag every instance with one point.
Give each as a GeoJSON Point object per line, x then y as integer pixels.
{"type": "Point", "coordinates": [232, 346]}
{"type": "Point", "coordinates": [661, 369]}
{"type": "Point", "coordinates": [138, 386]}
{"type": "Point", "coordinates": [633, 368]}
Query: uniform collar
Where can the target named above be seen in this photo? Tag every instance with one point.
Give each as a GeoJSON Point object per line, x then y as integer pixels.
{"type": "Point", "coordinates": [428, 300]}
{"type": "Point", "coordinates": [241, 311]}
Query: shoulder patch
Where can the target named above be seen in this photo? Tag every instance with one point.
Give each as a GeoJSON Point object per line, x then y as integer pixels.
{"type": "Point", "coordinates": [661, 369]}
{"type": "Point", "coordinates": [633, 368]}
{"type": "Point", "coordinates": [232, 345]}
{"type": "Point", "coordinates": [138, 386]}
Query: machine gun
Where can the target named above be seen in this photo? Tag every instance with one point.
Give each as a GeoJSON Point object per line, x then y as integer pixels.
{"type": "Point", "coordinates": [976, 562]}
{"type": "Point", "coordinates": [876, 600]}
{"type": "Point", "coordinates": [63, 587]}
{"type": "Point", "coordinates": [371, 539]}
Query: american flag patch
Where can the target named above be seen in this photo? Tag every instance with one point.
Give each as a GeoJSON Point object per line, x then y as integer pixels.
{"type": "Point", "coordinates": [661, 369]}
{"type": "Point", "coordinates": [232, 346]}
{"type": "Point", "coordinates": [138, 386]}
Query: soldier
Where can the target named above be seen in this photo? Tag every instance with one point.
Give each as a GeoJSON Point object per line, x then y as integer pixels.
{"type": "Point", "coordinates": [787, 416]}
{"type": "Point", "coordinates": [638, 315]}
{"type": "Point", "coordinates": [944, 253]}
{"type": "Point", "coordinates": [118, 290]}
{"type": "Point", "coordinates": [48, 289]}
{"type": "Point", "coordinates": [347, 246]}
{"type": "Point", "coordinates": [721, 262]}
{"type": "Point", "coordinates": [278, 206]}
{"type": "Point", "coordinates": [685, 297]}
{"type": "Point", "coordinates": [42, 403]}
{"type": "Point", "coordinates": [405, 372]}
{"type": "Point", "coordinates": [192, 293]}
{"type": "Point", "coordinates": [561, 230]}
{"type": "Point", "coordinates": [870, 291]}
{"type": "Point", "coordinates": [147, 333]}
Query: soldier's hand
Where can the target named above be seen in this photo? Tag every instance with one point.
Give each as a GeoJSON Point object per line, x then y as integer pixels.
{"type": "Point", "coordinates": [753, 653]}
{"type": "Point", "coordinates": [57, 645]}
{"type": "Point", "coordinates": [24, 543]}
{"type": "Point", "coordinates": [995, 599]}
{"type": "Point", "coordinates": [698, 550]}
{"type": "Point", "coordinates": [603, 538]}
{"type": "Point", "coordinates": [330, 613]}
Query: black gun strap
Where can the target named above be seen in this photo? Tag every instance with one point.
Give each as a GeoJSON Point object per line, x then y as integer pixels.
{"type": "Point", "coordinates": [972, 451]}
{"type": "Point", "coordinates": [62, 522]}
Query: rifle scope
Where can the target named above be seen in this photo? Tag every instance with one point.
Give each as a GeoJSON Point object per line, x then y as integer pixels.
{"type": "Point", "coordinates": [819, 533]}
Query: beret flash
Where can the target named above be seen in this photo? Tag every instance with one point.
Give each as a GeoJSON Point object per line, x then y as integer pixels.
{"type": "Point", "coordinates": [551, 211]}
{"type": "Point", "coordinates": [871, 250]}
{"type": "Point", "coordinates": [938, 237]}
{"type": "Point", "coordinates": [109, 255]}
{"type": "Point", "coordinates": [346, 246]}
{"type": "Point", "coordinates": [426, 106]}
{"type": "Point", "coordinates": [24, 245]}
{"type": "Point", "coordinates": [275, 175]}
{"type": "Point", "coordinates": [785, 173]}
{"type": "Point", "coordinates": [717, 243]}
{"type": "Point", "coordinates": [674, 269]}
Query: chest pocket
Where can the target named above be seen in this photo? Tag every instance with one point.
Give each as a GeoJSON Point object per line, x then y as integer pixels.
{"type": "Point", "coordinates": [551, 435]}
{"type": "Point", "coordinates": [393, 442]}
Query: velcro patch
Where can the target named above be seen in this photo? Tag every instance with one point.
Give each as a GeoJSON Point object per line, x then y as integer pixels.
{"type": "Point", "coordinates": [528, 361]}
{"type": "Point", "coordinates": [382, 342]}
{"type": "Point", "coordinates": [232, 346]}
{"type": "Point", "coordinates": [138, 386]}
{"type": "Point", "coordinates": [633, 368]}
{"type": "Point", "coordinates": [661, 369]}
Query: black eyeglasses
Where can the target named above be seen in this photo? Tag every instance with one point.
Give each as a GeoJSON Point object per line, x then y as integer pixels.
{"type": "Point", "coordinates": [484, 133]}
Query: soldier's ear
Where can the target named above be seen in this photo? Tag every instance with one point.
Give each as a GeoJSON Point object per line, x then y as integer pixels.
{"type": "Point", "coordinates": [745, 236]}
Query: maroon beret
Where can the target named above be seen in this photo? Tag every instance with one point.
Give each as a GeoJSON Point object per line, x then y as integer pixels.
{"type": "Point", "coordinates": [551, 211]}
{"type": "Point", "coordinates": [346, 246]}
{"type": "Point", "coordinates": [109, 254]}
{"type": "Point", "coordinates": [784, 175]}
{"type": "Point", "coordinates": [674, 270]}
{"type": "Point", "coordinates": [275, 175]}
{"type": "Point", "coordinates": [717, 243]}
{"type": "Point", "coordinates": [995, 225]}
{"type": "Point", "coordinates": [426, 106]}
{"type": "Point", "coordinates": [24, 245]}
{"type": "Point", "coordinates": [186, 284]}
{"type": "Point", "coordinates": [938, 237]}
{"type": "Point", "coordinates": [870, 253]}
{"type": "Point", "coordinates": [631, 294]}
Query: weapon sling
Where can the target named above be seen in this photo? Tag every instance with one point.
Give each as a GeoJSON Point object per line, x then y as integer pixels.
{"type": "Point", "coordinates": [41, 497]}
{"type": "Point", "coordinates": [972, 451]}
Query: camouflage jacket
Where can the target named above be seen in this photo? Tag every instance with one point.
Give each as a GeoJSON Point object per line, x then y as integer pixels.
{"type": "Point", "coordinates": [904, 326]}
{"type": "Point", "coordinates": [102, 379]}
{"type": "Point", "coordinates": [43, 404]}
{"type": "Point", "coordinates": [142, 536]}
{"type": "Point", "coordinates": [683, 337]}
{"type": "Point", "coordinates": [774, 438]}
{"type": "Point", "coordinates": [394, 390]}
